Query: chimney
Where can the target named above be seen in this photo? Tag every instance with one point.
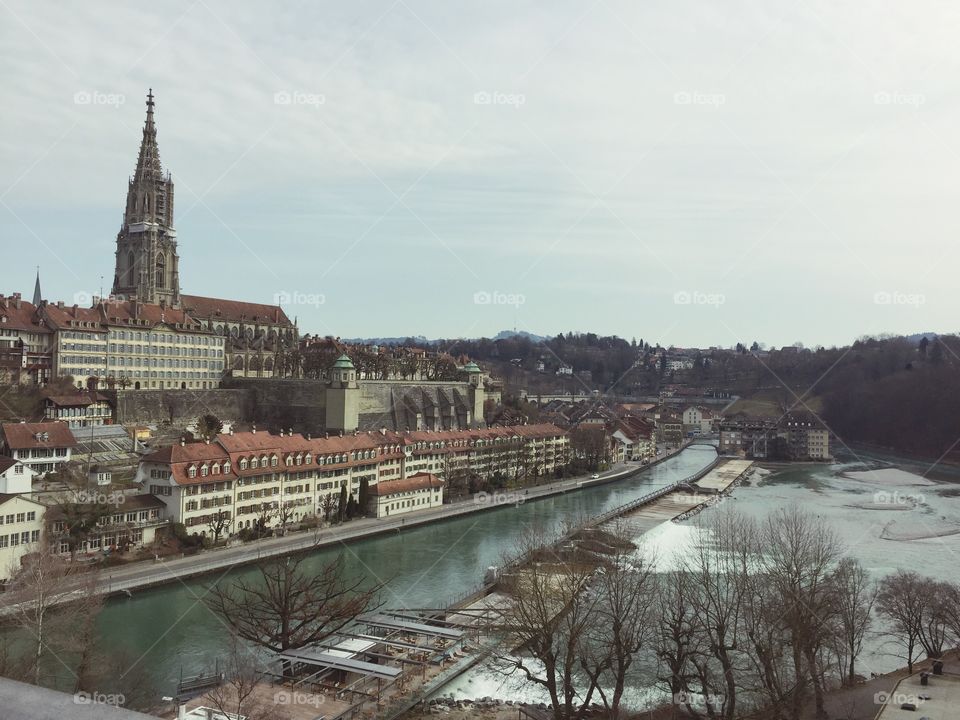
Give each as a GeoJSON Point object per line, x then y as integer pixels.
{"type": "Point", "coordinates": [231, 430]}
{"type": "Point", "coordinates": [254, 429]}
{"type": "Point", "coordinates": [308, 436]}
{"type": "Point", "coordinates": [182, 442]}
{"type": "Point", "coordinates": [289, 431]}
{"type": "Point", "coordinates": [281, 432]}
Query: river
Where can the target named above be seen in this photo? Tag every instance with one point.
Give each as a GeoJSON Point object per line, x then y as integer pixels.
{"type": "Point", "coordinates": [873, 513]}
{"type": "Point", "coordinates": [169, 630]}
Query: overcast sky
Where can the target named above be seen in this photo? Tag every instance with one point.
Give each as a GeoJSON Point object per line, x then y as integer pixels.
{"type": "Point", "coordinates": [687, 173]}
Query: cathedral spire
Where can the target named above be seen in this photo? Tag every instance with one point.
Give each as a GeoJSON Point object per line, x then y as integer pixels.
{"type": "Point", "coordinates": [146, 258]}
{"type": "Point", "coordinates": [37, 295]}
{"type": "Point", "coordinates": [148, 162]}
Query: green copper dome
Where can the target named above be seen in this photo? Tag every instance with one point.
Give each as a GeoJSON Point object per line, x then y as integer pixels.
{"type": "Point", "coordinates": [471, 367]}
{"type": "Point", "coordinates": [343, 363]}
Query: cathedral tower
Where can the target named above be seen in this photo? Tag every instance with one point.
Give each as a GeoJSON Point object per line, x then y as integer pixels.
{"type": "Point", "coordinates": [147, 265]}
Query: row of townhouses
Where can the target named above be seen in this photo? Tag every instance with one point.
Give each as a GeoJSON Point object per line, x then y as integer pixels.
{"type": "Point", "coordinates": [795, 436]}
{"type": "Point", "coordinates": [251, 476]}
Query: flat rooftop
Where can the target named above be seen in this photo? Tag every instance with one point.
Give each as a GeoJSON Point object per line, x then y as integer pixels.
{"type": "Point", "coordinates": [938, 701]}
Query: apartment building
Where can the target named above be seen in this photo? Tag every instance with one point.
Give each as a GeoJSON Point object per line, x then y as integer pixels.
{"type": "Point", "coordinates": [134, 344]}
{"type": "Point", "coordinates": [26, 345]}
{"type": "Point", "coordinates": [21, 527]}
{"type": "Point", "coordinates": [79, 410]}
{"type": "Point", "coordinates": [395, 497]}
{"type": "Point", "coordinates": [283, 478]}
{"type": "Point", "coordinates": [43, 447]}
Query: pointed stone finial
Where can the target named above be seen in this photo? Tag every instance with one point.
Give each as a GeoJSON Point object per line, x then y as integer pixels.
{"type": "Point", "coordinates": [150, 101]}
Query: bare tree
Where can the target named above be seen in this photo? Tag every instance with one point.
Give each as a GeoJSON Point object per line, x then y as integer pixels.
{"type": "Point", "coordinates": [290, 605]}
{"type": "Point", "coordinates": [676, 636]}
{"type": "Point", "coordinates": [801, 553]}
{"type": "Point", "coordinates": [546, 622]}
{"type": "Point", "coordinates": [218, 522]}
{"type": "Point", "coordinates": [855, 595]}
{"type": "Point", "coordinates": [718, 599]}
{"type": "Point", "coordinates": [243, 676]}
{"type": "Point", "coordinates": [329, 504]}
{"type": "Point", "coordinates": [900, 599]}
{"type": "Point", "coordinates": [34, 596]}
{"type": "Point", "coordinates": [621, 625]}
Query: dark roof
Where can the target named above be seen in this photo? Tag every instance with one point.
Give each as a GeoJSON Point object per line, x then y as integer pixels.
{"type": "Point", "coordinates": [76, 399]}
{"type": "Point", "coordinates": [7, 462]}
{"type": "Point", "coordinates": [5, 497]}
{"type": "Point", "coordinates": [214, 309]}
{"type": "Point", "coordinates": [20, 436]}
{"type": "Point", "coordinates": [140, 502]}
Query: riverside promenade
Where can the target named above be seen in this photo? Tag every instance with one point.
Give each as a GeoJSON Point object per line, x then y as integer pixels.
{"type": "Point", "coordinates": [144, 574]}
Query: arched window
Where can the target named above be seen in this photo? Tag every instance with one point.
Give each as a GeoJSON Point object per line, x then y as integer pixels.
{"type": "Point", "coordinates": [161, 270]}
{"type": "Point", "coordinates": [132, 269]}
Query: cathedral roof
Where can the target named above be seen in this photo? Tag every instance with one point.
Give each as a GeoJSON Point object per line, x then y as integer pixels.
{"type": "Point", "coordinates": [213, 309]}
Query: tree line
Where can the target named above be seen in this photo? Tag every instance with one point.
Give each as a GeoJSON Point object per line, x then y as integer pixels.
{"type": "Point", "coordinates": [762, 615]}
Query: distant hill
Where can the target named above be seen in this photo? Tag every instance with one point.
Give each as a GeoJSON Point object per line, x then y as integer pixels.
{"type": "Point", "coordinates": [506, 334]}
{"type": "Point", "coordinates": [405, 340]}
{"type": "Point", "coordinates": [421, 340]}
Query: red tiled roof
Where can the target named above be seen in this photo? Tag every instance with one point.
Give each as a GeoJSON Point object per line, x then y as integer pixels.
{"type": "Point", "coordinates": [19, 318]}
{"type": "Point", "coordinates": [20, 436]}
{"type": "Point", "coordinates": [127, 312]}
{"type": "Point", "coordinates": [418, 481]}
{"type": "Point", "coordinates": [234, 310]}
{"type": "Point", "coordinates": [69, 316]}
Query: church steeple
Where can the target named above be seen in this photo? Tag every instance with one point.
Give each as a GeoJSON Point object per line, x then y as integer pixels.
{"type": "Point", "coordinates": [37, 295]}
{"type": "Point", "coordinates": [147, 265]}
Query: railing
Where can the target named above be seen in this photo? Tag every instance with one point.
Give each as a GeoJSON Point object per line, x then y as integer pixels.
{"type": "Point", "coordinates": [651, 496]}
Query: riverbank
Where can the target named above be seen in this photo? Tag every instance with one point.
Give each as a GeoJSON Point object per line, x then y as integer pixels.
{"type": "Point", "coordinates": [147, 574]}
